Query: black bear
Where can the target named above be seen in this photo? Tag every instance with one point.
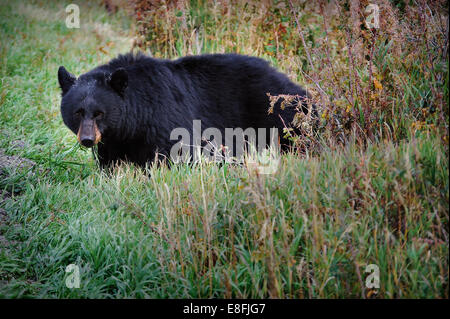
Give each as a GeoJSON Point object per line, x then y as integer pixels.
{"type": "Point", "coordinates": [131, 106]}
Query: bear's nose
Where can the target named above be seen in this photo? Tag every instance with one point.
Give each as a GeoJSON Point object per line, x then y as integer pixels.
{"type": "Point", "coordinates": [87, 142]}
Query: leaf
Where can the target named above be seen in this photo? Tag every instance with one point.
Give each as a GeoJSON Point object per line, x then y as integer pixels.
{"type": "Point", "coordinates": [377, 84]}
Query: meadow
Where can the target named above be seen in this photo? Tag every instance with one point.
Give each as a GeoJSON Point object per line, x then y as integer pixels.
{"type": "Point", "coordinates": [368, 186]}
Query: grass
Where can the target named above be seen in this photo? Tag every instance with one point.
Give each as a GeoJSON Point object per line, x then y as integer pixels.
{"type": "Point", "coordinates": [203, 230]}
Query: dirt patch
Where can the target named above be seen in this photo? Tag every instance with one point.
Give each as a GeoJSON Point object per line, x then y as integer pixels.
{"type": "Point", "coordinates": [5, 243]}
{"type": "Point", "coordinates": [18, 144]}
{"type": "Point", "coordinates": [14, 162]}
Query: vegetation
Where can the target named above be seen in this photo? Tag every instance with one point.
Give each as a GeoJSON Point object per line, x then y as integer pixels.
{"type": "Point", "coordinates": [370, 185]}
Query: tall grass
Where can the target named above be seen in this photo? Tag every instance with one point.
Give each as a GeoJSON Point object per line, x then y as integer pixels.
{"type": "Point", "coordinates": [371, 186]}
{"type": "Point", "coordinates": [375, 82]}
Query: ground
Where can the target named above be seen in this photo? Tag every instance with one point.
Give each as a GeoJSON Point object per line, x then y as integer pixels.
{"type": "Point", "coordinates": [200, 231]}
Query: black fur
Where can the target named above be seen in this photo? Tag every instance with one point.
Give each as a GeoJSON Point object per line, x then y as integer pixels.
{"type": "Point", "coordinates": [142, 99]}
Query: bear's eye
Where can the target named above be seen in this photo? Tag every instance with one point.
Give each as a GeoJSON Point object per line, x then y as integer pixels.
{"type": "Point", "coordinates": [79, 112]}
{"type": "Point", "coordinates": [98, 114]}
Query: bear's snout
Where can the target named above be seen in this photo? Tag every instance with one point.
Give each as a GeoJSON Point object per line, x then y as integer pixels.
{"type": "Point", "coordinates": [88, 133]}
{"type": "Point", "coordinates": [87, 142]}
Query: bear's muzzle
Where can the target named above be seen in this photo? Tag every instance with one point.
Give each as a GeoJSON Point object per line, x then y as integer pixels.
{"type": "Point", "coordinates": [88, 133]}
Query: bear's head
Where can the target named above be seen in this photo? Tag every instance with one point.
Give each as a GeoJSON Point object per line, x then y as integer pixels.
{"type": "Point", "coordinates": [92, 105]}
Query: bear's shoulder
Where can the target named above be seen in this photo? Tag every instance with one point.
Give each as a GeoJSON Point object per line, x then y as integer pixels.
{"type": "Point", "coordinates": [129, 59]}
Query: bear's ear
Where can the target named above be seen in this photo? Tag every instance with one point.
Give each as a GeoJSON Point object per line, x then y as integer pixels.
{"type": "Point", "coordinates": [119, 81]}
{"type": "Point", "coordinates": [66, 79]}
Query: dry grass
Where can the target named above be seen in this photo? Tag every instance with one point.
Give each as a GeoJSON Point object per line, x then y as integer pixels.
{"type": "Point", "coordinates": [370, 187]}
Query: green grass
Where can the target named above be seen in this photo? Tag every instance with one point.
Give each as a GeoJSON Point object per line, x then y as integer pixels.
{"type": "Point", "coordinates": [199, 231]}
